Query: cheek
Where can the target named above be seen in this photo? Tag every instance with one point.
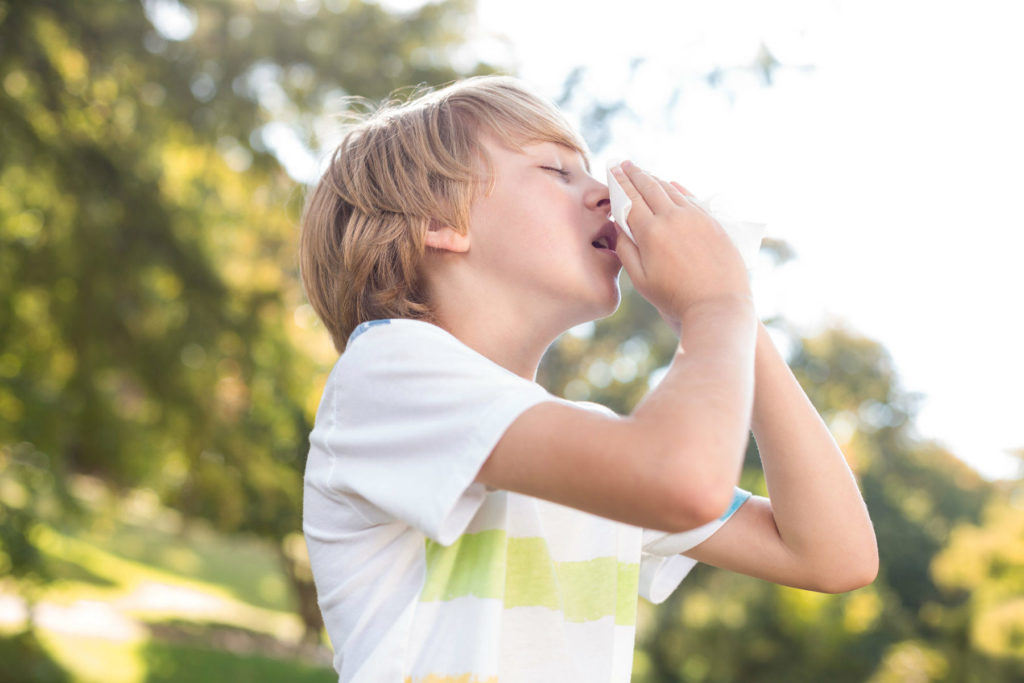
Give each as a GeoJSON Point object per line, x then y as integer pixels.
{"type": "Point", "coordinates": [551, 223]}
{"type": "Point", "coordinates": [529, 226]}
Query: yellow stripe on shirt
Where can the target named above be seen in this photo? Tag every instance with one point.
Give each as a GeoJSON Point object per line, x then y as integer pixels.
{"type": "Point", "coordinates": [520, 572]}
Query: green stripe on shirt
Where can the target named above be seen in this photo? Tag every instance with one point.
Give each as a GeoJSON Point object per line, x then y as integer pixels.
{"type": "Point", "coordinates": [628, 589]}
{"type": "Point", "coordinates": [470, 566]}
{"type": "Point", "coordinates": [520, 572]}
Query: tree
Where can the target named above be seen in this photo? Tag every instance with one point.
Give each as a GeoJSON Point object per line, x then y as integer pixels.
{"type": "Point", "coordinates": [729, 627]}
{"type": "Point", "coordinates": [151, 321]}
{"type": "Point", "coordinates": [981, 570]}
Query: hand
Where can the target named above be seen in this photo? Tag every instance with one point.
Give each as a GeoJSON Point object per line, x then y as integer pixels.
{"type": "Point", "coordinates": [682, 256]}
{"type": "Point", "coordinates": [675, 325]}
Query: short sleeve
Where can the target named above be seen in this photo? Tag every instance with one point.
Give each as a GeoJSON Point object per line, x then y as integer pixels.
{"type": "Point", "coordinates": [408, 417]}
{"type": "Point", "coordinates": [662, 567]}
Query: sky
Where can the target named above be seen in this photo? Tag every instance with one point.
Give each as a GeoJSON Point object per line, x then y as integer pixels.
{"type": "Point", "coordinates": [888, 152]}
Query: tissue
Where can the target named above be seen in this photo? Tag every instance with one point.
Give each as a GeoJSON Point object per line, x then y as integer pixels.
{"type": "Point", "coordinates": [745, 235]}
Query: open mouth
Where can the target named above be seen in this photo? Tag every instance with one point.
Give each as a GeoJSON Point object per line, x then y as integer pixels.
{"type": "Point", "coordinates": [606, 238]}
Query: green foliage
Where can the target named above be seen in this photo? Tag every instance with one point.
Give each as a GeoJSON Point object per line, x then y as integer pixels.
{"type": "Point", "coordinates": [29, 494]}
{"type": "Point", "coordinates": [150, 285]}
{"type": "Point", "coordinates": [727, 627]}
{"type": "Point", "coordinates": [152, 330]}
{"type": "Point", "coordinates": [982, 570]}
{"type": "Point", "coordinates": [153, 334]}
{"type": "Point", "coordinates": [24, 659]}
{"type": "Point", "coordinates": [171, 663]}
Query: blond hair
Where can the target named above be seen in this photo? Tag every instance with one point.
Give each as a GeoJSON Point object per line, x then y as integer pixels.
{"type": "Point", "coordinates": [396, 170]}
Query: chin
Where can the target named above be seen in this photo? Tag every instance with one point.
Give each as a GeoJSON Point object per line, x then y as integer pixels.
{"type": "Point", "coordinates": [613, 302]}
{"type": "Point", "coordinates": [614, 297]}
{"type": "Point", "coordinates": [587, 301]}
{"type": "Point", "coordinates": [606, 305]}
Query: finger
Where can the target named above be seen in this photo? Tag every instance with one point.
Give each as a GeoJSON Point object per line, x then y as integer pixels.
{"type": "Point", "coordinates": [639, 213]}
{"type": "Point", "coordinates": [682, 189]}
{"type": "Point", "coordinates": [676, 192]}
{"type": "Point", "coordinates": [681, 193]}
{"type": "Point", "coordinates": [629, 254]}
{"type": "Point", "coordinates": [673, 193]}
{"type": "Point", "coordinates": [648, 188]}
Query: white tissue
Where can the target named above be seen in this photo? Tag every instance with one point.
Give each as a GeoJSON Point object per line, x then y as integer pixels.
{"type": "Point", "coordinates": [745, 235]}
{"type": "Point", "coordinates": [621, 203]}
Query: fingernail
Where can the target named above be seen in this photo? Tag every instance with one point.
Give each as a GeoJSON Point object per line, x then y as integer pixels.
{"type": "Point", "coordinates": [627, 164]}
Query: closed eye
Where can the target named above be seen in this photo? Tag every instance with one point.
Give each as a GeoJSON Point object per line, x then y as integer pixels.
{"type": "Point", "coordinates": [562, 172]}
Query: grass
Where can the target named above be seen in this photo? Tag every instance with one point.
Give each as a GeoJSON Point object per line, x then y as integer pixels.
{"type": "Point", "coordinates": [97, 660]}
{"type": "Point", "coordinates": [244, 566]}
{"type": "Point", "coordinates": [147, 592]}
{"type": "Point", "coordinates": [195, 605]}
{"type": "Point", "coordinates": [172, 664]}
{"type": "Point", "coordinates": [93, 659]}
{"type": "Point", "coordinates": [25, 659]}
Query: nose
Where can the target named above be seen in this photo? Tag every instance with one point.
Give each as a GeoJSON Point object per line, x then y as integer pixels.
{"type": "Point", "coordinates": [597, 196]}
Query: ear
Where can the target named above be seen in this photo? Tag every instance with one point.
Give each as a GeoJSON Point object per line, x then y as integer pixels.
{"type": "Point", "coordinates": [446, 238]}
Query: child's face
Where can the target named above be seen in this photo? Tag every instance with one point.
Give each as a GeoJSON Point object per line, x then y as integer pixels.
{"type": "Point", "coordinates": [535, 231]}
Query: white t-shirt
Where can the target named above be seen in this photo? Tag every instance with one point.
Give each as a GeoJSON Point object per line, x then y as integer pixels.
{"type": "Point", "coordinates": [423, 575]}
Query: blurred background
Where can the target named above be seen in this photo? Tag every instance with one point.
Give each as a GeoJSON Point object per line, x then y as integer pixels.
{"type": "Point", "coordinates": [160, 369]}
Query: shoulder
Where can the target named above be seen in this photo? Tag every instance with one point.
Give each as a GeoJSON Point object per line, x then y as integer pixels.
{"type": "Point", "coordinates": [401, 343]}
{"type": "Point", "coordinates": [380, 338]}
{"type": "Point", "coordinates": [409, 368]}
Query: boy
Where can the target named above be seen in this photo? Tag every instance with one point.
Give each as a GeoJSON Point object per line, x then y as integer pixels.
{"type": "Point", "coordinates": [463, 524]}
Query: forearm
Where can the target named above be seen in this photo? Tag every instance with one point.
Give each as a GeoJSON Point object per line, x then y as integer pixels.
{"type": "Point", "coordinates": [705, 399]}
{"type": "Point", "coordinates": [817, 506]}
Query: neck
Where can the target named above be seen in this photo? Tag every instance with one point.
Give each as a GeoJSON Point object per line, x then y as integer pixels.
{"type": "Point", "coordinates": [512, 326]}
{"type": "Point", "coordinates": [515, 341]}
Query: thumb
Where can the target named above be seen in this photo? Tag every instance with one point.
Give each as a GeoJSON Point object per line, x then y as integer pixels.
{"type": "Point", "coordinates": [629, 254]}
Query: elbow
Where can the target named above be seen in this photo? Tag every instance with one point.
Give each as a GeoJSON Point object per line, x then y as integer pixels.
{"type": "Point", "coordinates": [715, 499]}
{"type": "Point", "coordinates": [693, 483]}
{"type": "Point", "coordinates": [700, 502]}
{"type": "Point", "coordinates": [846, 583]}
{"type": "Point", "coordinates": [856, 572]}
